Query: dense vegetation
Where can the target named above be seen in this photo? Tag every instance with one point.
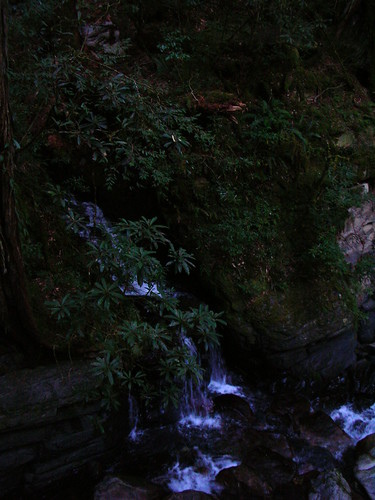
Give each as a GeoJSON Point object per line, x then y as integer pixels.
{"type": "Point", "coordinates": [240, 125]}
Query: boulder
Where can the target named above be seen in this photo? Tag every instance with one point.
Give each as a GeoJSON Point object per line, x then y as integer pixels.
{"type": "Point", "coordinates": [44, 394]}
{"type": "Point", "coordinates": [364, 469]}
{"type": "Point", "coordinates": [364, 377]}
{"type": "Point", "coordinates": [274, 468]}
{"type": "Point", "coordinates": [366, 330]}
{"type": "Point", "coordinates": [321, 356]}
{"type": "Point", "coordinates": [234, 404]}
{"type": "Point", "coordinates": [357, 238]}
{"type": "Point", "coordinates": [312, 458]}
{"type": "Point", "coordinates": [319, 429]}
{"type": "Point", "coordinates": [242, 482]}
{"type": "Point", "coordinates": [305, 330]}
{"type": "Point", "coordinates": [290, 404]}
{"type": "Point", "coordinates": [296, 332]}
{"type": "Point", "coordinates": [113, 488]}
{"type": "Point", "coordinates": [332, 485]}
{"type": "Point", "coordinates": [365, 445]}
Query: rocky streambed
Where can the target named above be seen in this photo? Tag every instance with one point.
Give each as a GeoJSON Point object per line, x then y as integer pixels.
{"type": "Point", "coordinates": [229, 439]}
{"type": "Point", "coordinates": [251, 444]}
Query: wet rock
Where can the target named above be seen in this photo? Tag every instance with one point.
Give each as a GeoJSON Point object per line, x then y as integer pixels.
{"type": "Point", "coordinates": [319, 429]}
{"type": "Point", "coordinates": [297, 489]}
{"type": "Point", "coordinates": [330, 485]}
{"type": "Point", "coordinates": [312, 458]}
{"type": "Point", "coordinates": [358, 235]}
{"type": "Point", "coordinates": [364, 469]}
{"type": "Point", "coordinates": [365, 445]}
{"type": "Point", "coordinates": [366, 330]}
{"type": "Point", "coordinates": [290, 404]}
{"type": "Point", "coordinates": [275, 469]}
{"type": "Point", "coordinates": [272, 441]}
{"type": "Point", "coordinates": [189, 495]}
{"type": "Point", "coordinates": [289, 331]}
{"type": "Point", "coordinates": [242, 482]}
{"type": "Point", "coordinates": [113, 488]}
{"type": "Point", "coordinates": [233, 403]}
{"type": "Point", "coordinates": [364, 377]}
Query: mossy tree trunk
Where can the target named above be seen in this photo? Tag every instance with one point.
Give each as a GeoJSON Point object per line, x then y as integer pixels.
{"type": "Point", "coordinates": [370, 22]}
{"type": "Point", "coordinates": [17, 324]}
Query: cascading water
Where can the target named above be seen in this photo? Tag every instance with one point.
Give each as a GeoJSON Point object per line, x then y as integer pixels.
{"type": "Point", "coordinates": [220, 381]}
{"type": "Point", "coordinates": [201, 476]}
{"type": "Point", "coordinates": [95, 218]}
{"type": "Point", "coordinates": [356, 423]}
{"type": "Point", "coordinates": [204, 441]}
{"type": "Point", "coordinates": [133, 416]}
{"type": "Point", "coordinates": [196, 403]}
{"type": "Point", "coordinates": [198, 417]}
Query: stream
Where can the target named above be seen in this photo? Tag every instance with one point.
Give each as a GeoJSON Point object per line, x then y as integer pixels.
{"type": "Point", "coordinates": [191, 453]}
{"type": "Point", "coordinates": [227, 435]}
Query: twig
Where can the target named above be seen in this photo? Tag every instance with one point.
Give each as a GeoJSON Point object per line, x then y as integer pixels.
{"type": "Point", "coordinates": [326, 90]}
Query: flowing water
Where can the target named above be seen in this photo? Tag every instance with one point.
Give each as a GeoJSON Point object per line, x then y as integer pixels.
{"type": "Point", "coordinates": [199, 423]}
{"type": "Point", "coordinates": [356, 422]}
{"type": "Point", "coordinates": [94, 218]}
{"type": "Point", "coordinates": [206, 438]}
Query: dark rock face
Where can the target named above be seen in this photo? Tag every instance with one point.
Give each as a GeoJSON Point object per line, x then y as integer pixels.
{"type": "Point", "coordinates": [292, 333]}
{"type": "Point", "coordinates": [366, 331]}
{"type": "Point", "coordinates": [364, 469]}
{"type": "Point", "coordinates": [189, 495]}
{"type": "Point", "coordinates": [320, 430]}
{"type": "Point", "coordinates": [330, 484]}
{"type": "Point", "coordinates": [113, 488]}
{"type": "Point", "coordinates": [290, 404]}
{"type": "Point", "coordinates": [234, 404]}
{"type": "Point", "coordinates": [364, 377]}
{"type": "Point", "coordinates": [327, 358]}
{"type": "Point", "coordinates": [242, 482]}
{"type": "Point", "coordinates": [47, 427]}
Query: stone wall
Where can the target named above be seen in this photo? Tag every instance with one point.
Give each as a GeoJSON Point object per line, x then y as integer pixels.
{"type": "Point", "coordinates": [49, 428]}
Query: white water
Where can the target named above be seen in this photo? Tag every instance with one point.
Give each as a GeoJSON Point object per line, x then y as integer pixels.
{"type": "Point", "coordinates": [95, 218]}
{"type": "Point", "coordinates": [220, 382]}
{"type": "Point", "coordinates": [206, 421]}
{"type": "Point", "coordinates": [357, 424]}
{"type": "Point", "coordinates": [201, 476]}
{"type": "Point", "coordinates": [135, 434]}
{"type": "Point", "coordinates": [196, 410]}
{"type": "Point", "coordinates": [196, 407]}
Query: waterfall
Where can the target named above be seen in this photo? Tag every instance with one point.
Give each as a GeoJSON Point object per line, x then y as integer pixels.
{"type": "Point", "coordinates": [220, 382]}
{"type": "Point", "coordinates": [357, 424]}
{"type": "Point", "coordinates": [95, 218]}
{"type": "Point", "coordinates": [135, 434]}
{"type": "Point", "coordinates": [200, 476]}
{"type": "Point", "coordinates": [196, 403]}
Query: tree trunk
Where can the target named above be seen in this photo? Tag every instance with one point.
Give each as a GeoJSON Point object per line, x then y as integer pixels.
{"type": "Point", "coordinates": [16, 320]}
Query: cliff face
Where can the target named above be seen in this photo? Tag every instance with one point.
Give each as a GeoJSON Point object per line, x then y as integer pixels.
{"type": "Point", "coordinates": [246, 128]}
{"type": "Point", "coordinates": [49, 428]}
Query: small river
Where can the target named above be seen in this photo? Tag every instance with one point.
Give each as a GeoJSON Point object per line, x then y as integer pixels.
{"type": "Point", "coordinates": [226, 422]}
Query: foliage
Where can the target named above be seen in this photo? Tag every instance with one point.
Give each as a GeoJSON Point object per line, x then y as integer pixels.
{"type": "Point", "coordinates": [147, 357]}
{"type": "Point", "coordinates": [228, 115]}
